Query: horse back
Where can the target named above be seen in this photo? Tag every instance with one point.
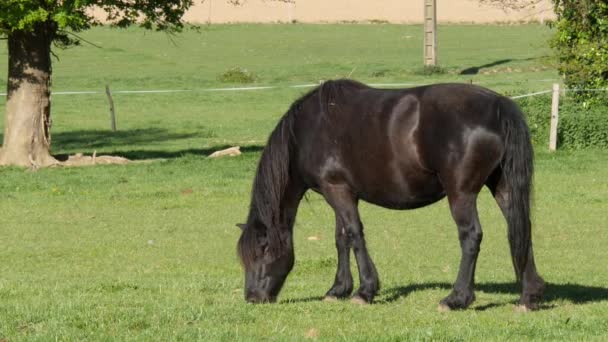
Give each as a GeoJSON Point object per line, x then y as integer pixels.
{"type": "Point", "coordinates": [391, 147]}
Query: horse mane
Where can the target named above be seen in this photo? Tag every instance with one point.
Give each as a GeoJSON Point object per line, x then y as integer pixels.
{"type": "Point", "coordinates": [332, 91]}
{"type": "Point", "coordinates": [272, 176]}
{"type": "Point", "coordinates": [269, 186]}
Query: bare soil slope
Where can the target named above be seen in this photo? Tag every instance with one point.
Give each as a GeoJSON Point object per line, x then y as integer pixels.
{"type": "Point", "coordinates": [393, 11]}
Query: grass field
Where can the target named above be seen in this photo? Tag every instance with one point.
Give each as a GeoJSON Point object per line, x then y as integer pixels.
{"type": "Point", "coordinates": [147, 251]}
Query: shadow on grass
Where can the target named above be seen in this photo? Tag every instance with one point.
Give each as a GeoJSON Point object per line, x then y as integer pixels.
{"type": "Point", "coordinates": [83, 139]}
{"type": "Point", "coordinates": [575, 293]}
{"type": "Point", "coordinates": [158, 154]}
{"type": "Point", "coordinates": [474, 70]}
{"type": "Point", "coordinates": [107, 142]}
{"type": "Point", "coordinates": [301, 300]}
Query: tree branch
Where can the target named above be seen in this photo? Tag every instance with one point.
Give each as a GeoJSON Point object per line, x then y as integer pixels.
{"type": "Point", "coordinates": [242, 2]}
{"type": "Point", "coordinates": [81, 39]}
{"type": "Point", "coordinates": [511, 4]}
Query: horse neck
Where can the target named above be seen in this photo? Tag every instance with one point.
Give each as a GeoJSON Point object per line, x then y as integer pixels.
{"type": "Point", "coordinates": [263, 215]}
{"type": "Point", "coordinates": [272, 177]}
{"type": "Point", "coordinates": [265, 208]}
{"type": "Point", "coordinates": [278, 212]}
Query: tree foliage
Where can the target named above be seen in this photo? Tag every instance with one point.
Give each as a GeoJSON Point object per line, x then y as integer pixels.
{"type": "Point", "coordinates": [30, 27]}
{"type": "Point", "coordinates": [581, 43]}
{"type": "Point", "coordinates": [76, 15]}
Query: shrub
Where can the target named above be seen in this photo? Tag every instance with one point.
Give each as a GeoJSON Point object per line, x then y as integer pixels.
{"type": "Point", "coordinates": [581, 44]}
{"type": "Point", "coordinates": [579, 126]}
{"type": "Point", "coordinates": [537, 110]}
{"type": "Point", "coordinates": [237, 75]}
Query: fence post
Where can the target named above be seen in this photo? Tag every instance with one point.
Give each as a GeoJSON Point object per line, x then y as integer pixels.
{"type": "Point", "coordinates": [290, 12]}
{"type": "Point", "coordinates": [554, 118]}
{"type": "Point", "coordinates": [430, 32]}
{"type": "Point", "coordinates": [112, 113]}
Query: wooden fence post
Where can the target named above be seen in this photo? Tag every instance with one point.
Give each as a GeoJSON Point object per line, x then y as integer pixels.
{"type": "Point", "coordinates": [430, 32]}
{"type": "Point", "coordinates": [112, 113]}
{"type": "Point", "coordinates": [290, 12]}
{"type": "Point", "coordinates": [554, 118]}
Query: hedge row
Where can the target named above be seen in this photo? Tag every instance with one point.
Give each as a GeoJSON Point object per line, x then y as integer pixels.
{"type": "Point", "coordinates": [579, 126]}
{"type": "Point", "coordinates": [581, 46]}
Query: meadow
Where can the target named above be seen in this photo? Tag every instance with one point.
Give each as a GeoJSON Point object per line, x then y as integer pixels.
{"type": "Point", "coordinates": [147, 251]}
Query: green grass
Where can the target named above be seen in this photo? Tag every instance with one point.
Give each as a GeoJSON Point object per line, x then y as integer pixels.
{"type": "Point", "coordinates": [147, 251]}
{"type": "Point", "coordinates": [157, 124]}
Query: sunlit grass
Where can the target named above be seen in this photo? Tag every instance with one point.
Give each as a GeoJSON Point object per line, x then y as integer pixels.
{"type": "Point", "coordinates": [147, 251]}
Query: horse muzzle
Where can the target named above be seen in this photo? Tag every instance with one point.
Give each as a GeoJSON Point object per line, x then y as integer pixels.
{"type": "Point", "coordinates": [257, 298]}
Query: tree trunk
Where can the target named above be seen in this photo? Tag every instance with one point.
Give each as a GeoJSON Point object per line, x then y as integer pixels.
{"type": "Point", "coordinates": [27, 135]}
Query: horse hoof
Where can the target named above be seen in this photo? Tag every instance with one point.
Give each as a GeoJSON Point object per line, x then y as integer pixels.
{"type": "Point", "coordinates": [358, 300]}
{"type": "Point", "coordinates": [443, 308]}
{"type": "Point", "coordinates": [521, 308]}
{"type": "Point", "coordinates": [330, 299]}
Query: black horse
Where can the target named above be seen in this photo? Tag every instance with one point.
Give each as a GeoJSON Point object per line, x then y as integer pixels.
{"type": "Point", "coordinates": [399, 149]}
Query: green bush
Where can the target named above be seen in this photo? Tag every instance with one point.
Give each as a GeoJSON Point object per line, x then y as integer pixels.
{"type": "Point", "coordinates": [579, 126]}
{"type": "Point", "coordinates": [538, 115]}
{"type": "Point", "coordinates": [237, 75]}
{"type": "Point", "coordinates": [581, 45]}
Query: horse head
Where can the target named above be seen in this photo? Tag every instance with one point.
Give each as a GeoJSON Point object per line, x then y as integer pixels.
{"type": "Point", "coordinates": [266, 263]}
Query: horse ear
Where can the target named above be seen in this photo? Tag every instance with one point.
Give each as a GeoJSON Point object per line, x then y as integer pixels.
{"type": "Point", "coordinates": [241, 225]}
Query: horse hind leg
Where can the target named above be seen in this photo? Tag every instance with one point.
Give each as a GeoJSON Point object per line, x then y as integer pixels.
{"type": "Point", "coordinates": [343, 283]}
{"type": "Point", "coordinates": [525, 268]}
{"type": "Point", "coordinates": [463, 207]}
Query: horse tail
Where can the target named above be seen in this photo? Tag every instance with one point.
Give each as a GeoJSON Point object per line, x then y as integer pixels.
{"type": "Point", "coordinates": [517, 167]}
{"type": "Point", "coordinates": [269, 187]}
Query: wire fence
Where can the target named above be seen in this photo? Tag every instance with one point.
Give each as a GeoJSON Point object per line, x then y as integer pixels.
{"type": "Point", "coordinates": [556, 91]}
{"type": "Point", "coordinates": [161, 91]}
{"type": "Point", "coordinates": [269, 87]}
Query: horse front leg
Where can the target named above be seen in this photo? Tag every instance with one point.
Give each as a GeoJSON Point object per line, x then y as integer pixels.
{"type": "Point", "coordinates": [464, 212]}
{"type": "Point", "coordinates": [350, 231]}
{"type": "Point", "coordinates": [343, 283]}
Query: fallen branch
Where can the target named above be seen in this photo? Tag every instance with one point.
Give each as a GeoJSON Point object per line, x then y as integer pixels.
{"type": "Point", "coordinates": [80, 159]}
{"type": "Point", "coordinates": [231, 152]}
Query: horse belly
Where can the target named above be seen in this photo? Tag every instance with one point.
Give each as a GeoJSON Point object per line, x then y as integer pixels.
{"type": "Point", "coordinates": [407, 192]}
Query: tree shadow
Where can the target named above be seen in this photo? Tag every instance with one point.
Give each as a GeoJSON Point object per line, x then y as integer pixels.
{"type": "Point", "coordinates": [576, 293]}
{"type": "Point", "coordinates": [86, 139]}
{"type": "Point", "coordinates": [159, 154]}
{"type": "Point", "coordinates": [109, 143]}
{"type": "Point", "coordinates": [475, 69]}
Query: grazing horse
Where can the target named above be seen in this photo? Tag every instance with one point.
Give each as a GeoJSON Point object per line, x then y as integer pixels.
{"type": "Point", "coordinates": [399, 149]}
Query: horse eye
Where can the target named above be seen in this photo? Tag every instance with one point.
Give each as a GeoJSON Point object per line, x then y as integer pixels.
{"type": "Point", "coordinates": [263, 250]}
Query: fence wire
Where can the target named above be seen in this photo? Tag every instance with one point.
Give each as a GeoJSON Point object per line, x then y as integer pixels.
{"type": "Point", "coordinates": [309, 85]}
